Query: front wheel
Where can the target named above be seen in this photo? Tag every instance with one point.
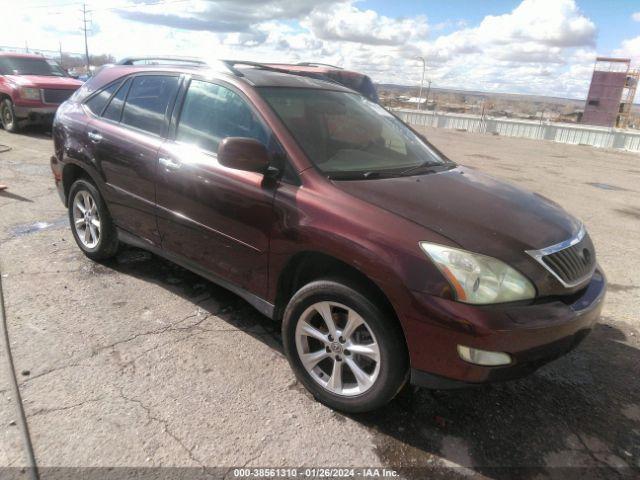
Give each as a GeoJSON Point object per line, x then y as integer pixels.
{"type": "Point", "coordinates": [345, 349]}
{"type": "Point", "coordinates": [91, 224]}
{"type": "Point", "coordinates": [8, 116]}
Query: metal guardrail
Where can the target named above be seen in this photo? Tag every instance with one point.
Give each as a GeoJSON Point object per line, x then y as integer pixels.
{"type": "Point", "coordinates": [556, 132]}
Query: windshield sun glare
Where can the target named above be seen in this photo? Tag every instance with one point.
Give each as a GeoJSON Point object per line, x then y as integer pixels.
{"type": "Point", "coordinates": [345, 135]}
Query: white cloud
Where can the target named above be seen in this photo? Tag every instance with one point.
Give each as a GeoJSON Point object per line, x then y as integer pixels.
{"type": "Point", "coordinates": [346, 22]}
{"type": "Point", "coordinates": [541, 46]}
{"type": "Point", "coordinates": [635, 16]}
{"type": "Point", "coordinates": [549, 22]}
{"type": "Point", "coordinates": [222, 15]}
{"type": "Point", "coordinates": [629, 48]}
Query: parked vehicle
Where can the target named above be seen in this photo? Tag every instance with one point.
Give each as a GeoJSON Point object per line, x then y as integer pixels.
{"type": "Point", "coordinates": [359, 82]}
{"type": "Point", "coordinates": [384, 260]}
{"type": "Point", "coordinates": [31, 89]}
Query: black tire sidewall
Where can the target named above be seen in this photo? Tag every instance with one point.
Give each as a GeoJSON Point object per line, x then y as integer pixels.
{"type": "Point", "coordinates": [393, 353]}
{"type": "Point", "coordinates": [107, 244]}
{"type": "Point", "coordinates": [13, 126]}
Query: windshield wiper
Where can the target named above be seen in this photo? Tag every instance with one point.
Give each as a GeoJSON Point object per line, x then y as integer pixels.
{"type": "Point", "coordinates": [365, 175]}
{"type": "Point", "coordinates": [425, 167]}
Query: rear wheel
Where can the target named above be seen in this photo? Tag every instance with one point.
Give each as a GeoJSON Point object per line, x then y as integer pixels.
{"type": "Point", "coordinates": [91, 224]}
{"type": "Point", "coordinates": [8, 116]}
{"type": "Point", "coordinates": [346, 350]}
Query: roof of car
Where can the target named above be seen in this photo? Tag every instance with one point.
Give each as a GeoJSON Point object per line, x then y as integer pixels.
{"type": "Point", "coordinates": [269, 78]}
{"type": "Point", "coordinates": [256, 76]}
{"type": "Point", "coordinates": [21, 55]}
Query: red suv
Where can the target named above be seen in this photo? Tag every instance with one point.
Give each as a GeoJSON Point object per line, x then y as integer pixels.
{"type": "Point", "coordinates": [383, 259]}
{"type": "Point", "coordinates": [31, 89]}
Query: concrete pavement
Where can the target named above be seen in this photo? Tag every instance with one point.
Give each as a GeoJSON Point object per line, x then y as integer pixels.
{"type": "Point", "coordinates": [137, 362]}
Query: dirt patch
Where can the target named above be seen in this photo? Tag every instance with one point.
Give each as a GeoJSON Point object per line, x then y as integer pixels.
{"type": "Point", "coordinates": [35, 227]}
{"type": "Point", "coordinates": [630, 212]}
{"type": "Point", "coordinates": [616, 287]}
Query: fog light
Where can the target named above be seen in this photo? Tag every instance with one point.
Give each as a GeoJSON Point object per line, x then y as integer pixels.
{"type": "Point", "coordinates": [483, 357]}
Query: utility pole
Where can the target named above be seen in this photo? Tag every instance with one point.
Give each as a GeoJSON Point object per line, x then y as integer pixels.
{"type": "Point", "coordinates": [424, 67]}
{"type": "Point", "coordinates": [540, 131]}
{"type": "Point", "coordinates": [426, 101]}
{"type": "Point", "coordinates": [60, 49]}
{"type": "Point", "coordinates": [84, 29]}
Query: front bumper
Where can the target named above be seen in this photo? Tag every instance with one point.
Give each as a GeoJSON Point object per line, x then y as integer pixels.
{"type": "Point", "coordinates": [35, 114]}
{"type": "Point", "coordinates": [533, 334]}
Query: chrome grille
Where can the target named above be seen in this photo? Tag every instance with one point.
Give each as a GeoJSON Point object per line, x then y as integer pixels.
{"type": "Point", "coordinates": [571, 262]}
{"type": "Point", "coordinates": [56, 95]}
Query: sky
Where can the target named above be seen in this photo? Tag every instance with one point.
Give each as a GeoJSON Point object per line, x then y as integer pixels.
{"type": "Point", "coordinates": [543, 47]}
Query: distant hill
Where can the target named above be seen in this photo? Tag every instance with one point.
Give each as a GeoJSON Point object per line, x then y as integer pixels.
{"type": "Point", "coordinates": [406, 90]}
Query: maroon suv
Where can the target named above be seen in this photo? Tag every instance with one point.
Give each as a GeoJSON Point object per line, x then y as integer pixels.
{"type": "Point", "coordinates": [31, 89]}
{"type": "Point", "coordinates": [383, 259]}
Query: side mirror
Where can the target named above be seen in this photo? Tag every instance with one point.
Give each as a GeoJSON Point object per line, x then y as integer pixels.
{"type": "Point", "coordinates": [243, 154]}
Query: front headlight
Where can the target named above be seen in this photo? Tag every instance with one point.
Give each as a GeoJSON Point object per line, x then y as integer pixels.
{"type": "Point", "coordinates": [30, 93]}
{"type": "Point", "coordinates": [477, 278]}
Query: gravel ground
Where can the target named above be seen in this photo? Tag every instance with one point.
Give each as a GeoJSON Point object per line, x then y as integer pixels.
{"type": "Point", "coordinates": [136, 362]}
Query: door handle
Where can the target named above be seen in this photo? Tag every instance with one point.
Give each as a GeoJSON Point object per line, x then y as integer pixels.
{"type": "Point", "coordinates": [95, 137]}
{"type": "Point", "coordinates": [169, 164]}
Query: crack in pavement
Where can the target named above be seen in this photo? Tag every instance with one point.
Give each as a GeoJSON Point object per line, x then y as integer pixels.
{"type": "Point", "coordinates": [95, 352]}
{"type": "Point", "coordinates": [172, 327]}
{"type": "Point", "coordinates": [45, 411]}
{"type": "Point", "coordinates": [157, 331]}
{"type": "Point", "coordinates": [165, 426]}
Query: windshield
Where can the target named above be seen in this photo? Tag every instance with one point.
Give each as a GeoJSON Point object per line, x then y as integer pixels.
{"type": "Point", "coordinates": [347, 136]}
{"type": "Point", "coordinates": [30, 66]}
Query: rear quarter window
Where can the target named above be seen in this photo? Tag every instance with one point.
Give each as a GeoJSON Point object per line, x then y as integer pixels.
{"type": "Point", "coordinates": [97, 103]}
{"type": "Point", "coordinates": [114, 110]}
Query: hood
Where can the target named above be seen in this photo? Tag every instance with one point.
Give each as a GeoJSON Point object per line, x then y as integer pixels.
{"type": "Point", "coordinates": [477, 212]}
{"type": "Point", "coordinates": [38, 81]}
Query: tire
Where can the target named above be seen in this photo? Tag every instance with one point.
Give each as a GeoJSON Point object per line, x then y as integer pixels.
{"type": "Point", "coordinates": [8, 116]}
{"type": "Point", "coordinates": [94, 232]}
{"type": "Point", "coordinates": [345, 389]}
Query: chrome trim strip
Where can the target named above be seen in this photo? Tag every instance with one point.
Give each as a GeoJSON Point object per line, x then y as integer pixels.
{"type": "Point", "coordinates": [538, 254]}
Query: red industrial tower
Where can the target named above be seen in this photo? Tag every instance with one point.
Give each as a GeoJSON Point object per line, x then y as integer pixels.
{"type": "Point", "coordinates": [611, 94]}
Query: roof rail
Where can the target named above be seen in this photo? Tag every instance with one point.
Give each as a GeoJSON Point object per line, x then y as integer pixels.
{"type": "Point", "coordinates": [230, 65]}
{"type": "Point", "coordinates": [163, 60]}
{"type": "Point", "coordinates": [177, 60]}
{"type": "Point", "coordinates": [262, 66]}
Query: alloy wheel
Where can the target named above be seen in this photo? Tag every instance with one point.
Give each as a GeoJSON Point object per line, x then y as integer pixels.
{"type": "Point", "coordinates": [337, 348]}
{"type": "Point", "coordinates": [7, 115]}
{"type": "Point", "coordinates": [86, 219]}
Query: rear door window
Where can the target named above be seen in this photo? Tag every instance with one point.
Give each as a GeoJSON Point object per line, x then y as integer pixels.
{"type": "Point", "coordinates": [97, 103]}
{"type": "Point", "coordinates": [114, 110]}
{"type": "Point", "coordinates": [148, 101]}
{"type": "Point", "coordinates": [211, 113]}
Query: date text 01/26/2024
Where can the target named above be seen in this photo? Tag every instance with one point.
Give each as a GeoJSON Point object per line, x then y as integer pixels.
{"type": "Point", "coordinates": [314, 473]}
